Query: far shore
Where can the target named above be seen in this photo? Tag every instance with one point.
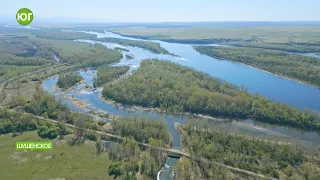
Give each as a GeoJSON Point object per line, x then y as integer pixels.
{"type": "Point", "coordinates": [277, 75]}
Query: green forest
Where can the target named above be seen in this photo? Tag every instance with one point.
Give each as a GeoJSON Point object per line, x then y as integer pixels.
{"type": "Point", "coordinates": [130, 159]}
{"type": "Point", "coordinates": [68, 79]}
{"type": "Point", "coordinates": [91, 56]}
{"type": "Point", "coordinates": [23, 52]}
{"type": "Point", "coordinates": [109, 73]}
{"type": "Point", "coordinates": [127, 158]}
{"type": "Point", "coordinates": [62, 35]}
{"type": "Point", "coordinates": [293, 66]}
{"type": "Point", "coordinates": [151, 46]}
{"type": "Point", "coordinates": [274, 158]}
{"type": "Point", "coordinates": [175, 88]}
{"type": "Point", "coordinates": [142, 129]}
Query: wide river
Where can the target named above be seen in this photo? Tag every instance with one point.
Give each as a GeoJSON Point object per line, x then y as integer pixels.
{"type": "Point", "coordinates": [268, 85]}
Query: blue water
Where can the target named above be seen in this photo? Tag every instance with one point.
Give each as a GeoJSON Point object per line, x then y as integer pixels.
{"type": "Point", "coordinates": [92, 99]}
{"type": "Point", "coordinates": [257, 81]}
{"type": "Point", "coordinates": [270, 86]}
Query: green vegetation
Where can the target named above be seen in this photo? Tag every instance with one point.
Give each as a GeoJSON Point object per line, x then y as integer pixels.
{"type": "Point", "coordinates": [8, 71]}
{"type": "Point", "coordinates": [68, 79]}
{"type": "Point", "coordinates": [279, 46]}
{"type": "Point", "coordinates": [129, 56]}
{"type": "Point", "coordinates": [276, 159]}
{"type": "Point", "coordinates": [40, 47]}
{"type": "Point", "coordinates": [142, 129]}
{"type": "Point", "coordinates": [127, 157]}
{"type": "Point", "coordinates": [121, 49]}
{"type": "Point", "coordinates": [84, 54]}
{"type": "Point", "coordinates": [62, 35]}
{"type": "Point", "coordinates": [22, 81]}
{"type": "Point", "coordinates": [151, 46]}
{"type": "Point", "coordinates": [293, 66]}
{"type": "Point", "coordinates": [22, 52]}
{"type": "Point", "coordinates": [45, 105]}
{"type": "Point", "coordinates": [130, 159]}
{"type": "Point", "coordinates": [189, 169]}
{"type": "Point", "coordinates": [3, 71]}
{"type": "Point", "coordinates": [269, 34]}
{"type": "Point", "coordinates": [175, 88]}
{"type": "Point", "coordinates": [108, 73]}
{"type": "Point", "coordinates": [16, 122]}
{"type": "Point", "coordinates": [63, 161]}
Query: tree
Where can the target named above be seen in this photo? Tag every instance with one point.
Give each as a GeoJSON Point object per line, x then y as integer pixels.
{"type": "Point", "coordinates": [115, 170]}
{"type": "Point", "coordinates": [99, 146]}
{"type": "Point", "coordinates": [80, 128]}
{"type": "Point", "coordinates": [63, 130]}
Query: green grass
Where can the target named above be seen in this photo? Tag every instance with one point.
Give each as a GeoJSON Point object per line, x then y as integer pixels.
{"type": "Point", "coordinates": [56, 34]}
{"type": "Point", "coordinates": [69, 162]}
{"type": "Point", "coordinates": [16, 70]}
{"type": "Point", "coordinates": [66, 47]}
{"type": "Point", "coordinates": [280, 34]}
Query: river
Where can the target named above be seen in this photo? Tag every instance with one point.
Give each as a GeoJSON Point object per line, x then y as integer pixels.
{"type": "Point", "coordinates": [268, 85]}
{"type": "Point", "coordinates": [257, 81]}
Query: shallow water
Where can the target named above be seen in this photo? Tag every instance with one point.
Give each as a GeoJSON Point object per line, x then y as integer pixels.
{"type": "Point", "coordinates": [91, 97]}
{"type": "Point", "coordinates": [270, 86]}
{"type": "Point", "coordinates": [233, 72]}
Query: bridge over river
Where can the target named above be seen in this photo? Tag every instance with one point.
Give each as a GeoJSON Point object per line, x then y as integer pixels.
{"type": "Point", "coordinates": [173, 152]}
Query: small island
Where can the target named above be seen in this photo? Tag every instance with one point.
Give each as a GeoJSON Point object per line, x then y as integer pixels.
{"type": "Point", "coordinates": [121, 49]}
{"type": "Point", "coordinates": [67, 80]}
{"type": "Point", "coordinates": [129, 56]}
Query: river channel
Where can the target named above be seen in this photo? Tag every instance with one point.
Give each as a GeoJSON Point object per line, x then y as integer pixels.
{"type": "Point", "coordinates": [268, 85]}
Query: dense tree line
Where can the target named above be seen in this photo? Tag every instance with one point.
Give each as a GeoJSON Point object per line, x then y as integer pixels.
{"type": "Point", "coordinates": [175, 88]}
{"type": "Point", "coordinates": [121, 49]}
{"type": "Point", "coordinates": [68, 79]}
{"type": "Point", "coordinates": [142, 129]}
{"type": "Point", "coordinates": [19, 121]}
{"type": "Point", "coordinates": [184, 41]}
{"type": "Point", "coordinates": [10, 59]}
{"type": "Point", "coordinates": [95, 56]}
{"type": "Point", "coordinates": [151, 46]}
{"type": "Point", "coordinates": [23, 52]}
{"type": "Point", "coordinates": [45, 105]}
{"type": "Point", "coordinates": [279, 46]}
{"type": "Point", "coordinates": [109, 73]}
{"type": "Point", "coordinates": [62, 35]}
{"type": "Point", "coordinates": [3, 71]}
{"type": "Point", "coordinates": [276, 159]}
{"type": "Point", "coordinates": [130, 159]}
{"type": "Point", "coordinates": [298, 67]}
{"type": "Point", "coordinates": [128, 156]}
{"type": "Point", "coordinates": [187, 169]}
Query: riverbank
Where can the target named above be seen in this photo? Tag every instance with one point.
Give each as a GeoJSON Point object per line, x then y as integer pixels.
{"type": "Point", "coordinates": [281, 76]}
{"type": "Point", "coordinates": [180, 41]}
{"type": "Point", "coordinates": [156, 110]}
{"type": "Point", "coordinates": [277, 75]}
{"type": "Point", "coordinates": [206, 43]}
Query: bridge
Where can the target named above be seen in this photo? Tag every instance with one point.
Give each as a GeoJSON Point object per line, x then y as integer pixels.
{"type": "Point", "coordinates": [172, 152]}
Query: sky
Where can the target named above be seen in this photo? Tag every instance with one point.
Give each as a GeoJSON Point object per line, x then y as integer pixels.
{"type": "Point", "coordinates": [167, 10]}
